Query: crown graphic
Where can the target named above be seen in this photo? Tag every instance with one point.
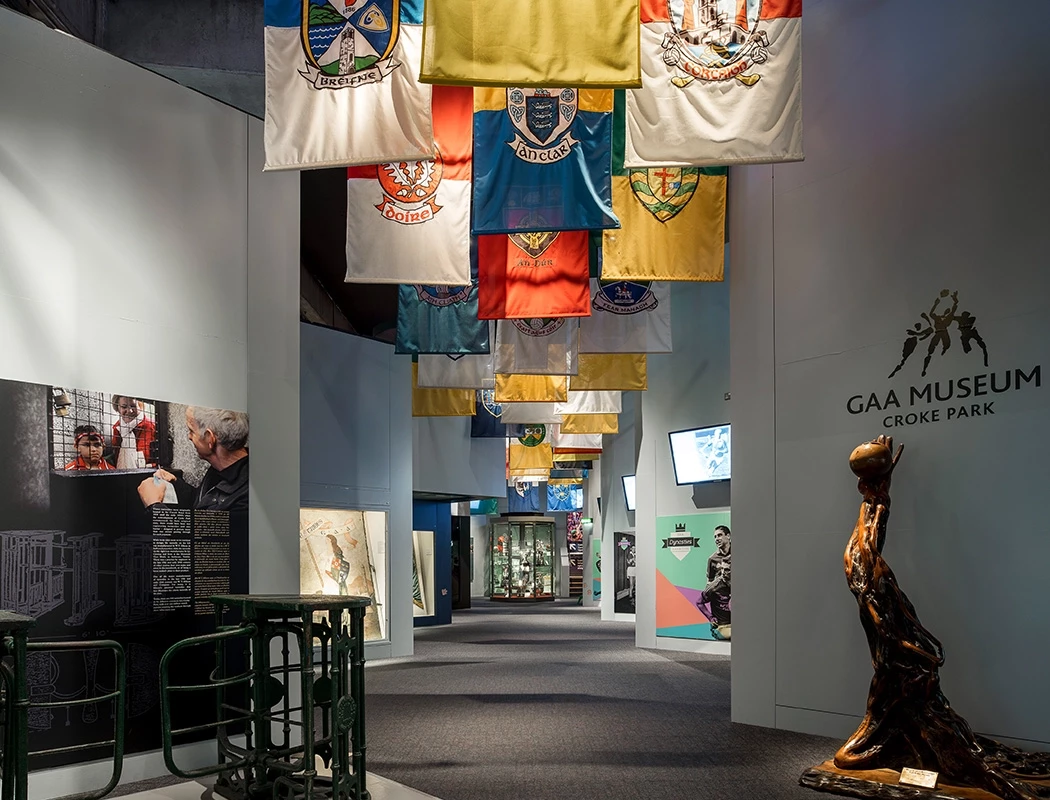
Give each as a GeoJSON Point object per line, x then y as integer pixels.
{"type": "Point", "coordinates": [679, 528]}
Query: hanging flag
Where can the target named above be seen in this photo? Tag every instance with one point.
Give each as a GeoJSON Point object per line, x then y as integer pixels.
{"type": "Point", "coordinates": [527, 275]}
{"type": "Point", "coordinates": [532, 450]}
{"type": "Point", "coordinates": [591, 403]}
{"type": "Point", "coordinates": [590, 423]}
{"type": "Point", "coordinates": [564, 494]}
{"type": "Point", "coordinates": [673, 222]}
{"type": "Point", "coordinates": [542, 160]}
{"type": "Point", "coordinates": [440, 319]}
{"type": "Point", "coordinates": [582, 443]}
{"type": "Point", "coordinates": [487, 422]}
{"type": "Point", "coordinates": [531, 389]}
{"type": "Point", "coordinates": [528, 413]}
{"type": "Point", "coordinates": [488, 506]}
{"type": "Point", "coordinates": [458, 371]}
{"type": "Point", "coordinates": [440, 402]}
{"type": "Point", "coordinates": [409, 221]}
{"type": "Point", "coordinates": [341, 83]}
{"type": "Point", "coordinates": [717, 89]}
{"type": "Point", "coordinates": [567, 460]}
{"type": "Point", "coordinates": [523, 497]}
{"type": "Point", "coordinates": [590, 43]}
{"type": "Point", "coordinates": [540, 346]}
{"type": "Point", "coordinates": [627, 317]}
{"type": "Point", "coordinates": [611, 371]}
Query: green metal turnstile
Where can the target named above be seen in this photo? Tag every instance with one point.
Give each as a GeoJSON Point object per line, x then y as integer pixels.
{"type": "Point", "coordinates": [15, 706]}
{"type": "Point", "coordinates": [257, 701]}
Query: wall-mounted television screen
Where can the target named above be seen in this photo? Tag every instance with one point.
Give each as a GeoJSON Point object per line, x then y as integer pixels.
{"type": "Point", "coordinates": [701, 455]}
{"type": "Point", "coordinates": [628, 491]}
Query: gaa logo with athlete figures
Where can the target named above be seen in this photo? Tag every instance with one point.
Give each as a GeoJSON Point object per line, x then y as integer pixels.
{"type": "Point", "coordinates": [936, 327]}
{"type": "Point", "coordinates": [408, 190]}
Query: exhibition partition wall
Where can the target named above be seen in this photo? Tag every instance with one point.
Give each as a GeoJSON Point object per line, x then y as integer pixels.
{"type": "Point", "coordinates": [687, 389]}
{"type": "Point", "coordinates": [357, 456]}
{"type": "Point", "coordinates": [895, 283]}
{"type": "Point", "coordinates": [144, 252]}
{"type": "Point", "coordinates": [434, 597]}
{"type": "Point", "coordinates": [619, 457]}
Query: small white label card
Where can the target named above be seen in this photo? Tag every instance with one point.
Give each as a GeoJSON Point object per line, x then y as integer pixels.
{"type": "Point", "coordinates": [919, 777]}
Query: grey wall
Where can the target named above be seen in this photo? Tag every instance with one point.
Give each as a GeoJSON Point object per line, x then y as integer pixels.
{"type": "Point", "coordinates": [919, 175]}
{"type": "Point", "coordinates": [141, 247]}
{"type": "Point", "coordinates": [446, 460]}
{"type": "Point", "coordinates": [356, 433]}
{"type": "Point", "coordinates": [687, 389]}
{"type": "Point", "coordinates": [619, 458]}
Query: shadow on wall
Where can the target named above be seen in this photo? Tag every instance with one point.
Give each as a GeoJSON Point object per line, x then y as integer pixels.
{"type": "Point", "coordinates": [711, 495]}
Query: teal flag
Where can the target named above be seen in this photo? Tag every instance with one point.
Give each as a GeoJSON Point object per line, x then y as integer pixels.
{"type": "Point", "coordinates": [440, 319]}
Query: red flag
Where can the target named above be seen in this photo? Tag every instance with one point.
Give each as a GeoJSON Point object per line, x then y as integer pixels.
{"type": "Point", "coordinates": [527, 275]}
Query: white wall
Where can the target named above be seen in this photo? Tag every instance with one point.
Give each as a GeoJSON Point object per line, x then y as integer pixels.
{"type": "Point", "coordinates": [356, 435]}
{"type": "Point", "coordinates": [479, 535]}
{"type": "Point", "coordinates": [619, 458]}
{"type": "Point", "coordinates": [141, 247]}
{"type": "Point", "coordinates": [921, 173]}
{"type": "Point", "coordinates": [687, 389]}
{"type": "Point", "coordinates": [447, 461]}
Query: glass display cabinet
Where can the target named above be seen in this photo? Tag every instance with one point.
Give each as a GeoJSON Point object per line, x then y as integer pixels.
{"type": "Point", "coordinates": [522, 551]}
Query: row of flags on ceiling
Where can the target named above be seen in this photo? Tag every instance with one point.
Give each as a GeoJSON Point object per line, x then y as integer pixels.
{"type": "Point", "coordinates": [707, 82]}
{"type": "Point", "coordinates": [526, 496]}
{"type": "Point", "coordinates": [533, 180]}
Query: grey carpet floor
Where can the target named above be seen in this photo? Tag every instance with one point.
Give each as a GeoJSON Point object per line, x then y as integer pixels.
{"type": "Point", "coordinates": [548, 702]}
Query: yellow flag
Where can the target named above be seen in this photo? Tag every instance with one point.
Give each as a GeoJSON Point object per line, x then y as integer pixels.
{"type": "Point", "coordinates": [531, 450]}
{"type": "Point", "coordinates": [590, 423]}
{"type": "Point", "coordinates": [556, 43]}
{"type": "Point", "coordinates": [529, 473]}
{"type": "Point", "coordinates": [531, 389]}
{"type": "Point", "coordinates": [441, 402]}
{"type": "Point", "coordinates": [673, 226]}
{"type": "Point", "coordinates": [561, 457]}
{"type": "Point", "coordinates": [672, 219]}
{"type": "Point", "coordinates": [611, 371]}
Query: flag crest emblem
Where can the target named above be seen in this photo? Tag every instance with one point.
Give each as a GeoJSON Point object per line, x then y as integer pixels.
{"type": "Point", "coordinates": [533, 435]}
{"type": "Point", "coordinates": [349, 47]}
{"type": "Point", "coordinates": [442, 296]}
{"type": "Point", "coordinates": [488, 402]}
{"type": "Point", "coordinates": [625, 297]}
{"type": "Point", "coordinates": [543, 117]}
{"type": "Point", "coordinates": [535, 243]}
{"type": "Point", "coordinates": [409, 188]}
{"type": "Point", "coordinates": [707, 44]}
{"type": "Point", "coordinates": [538, 326]}
{"type": "Point", "coordinates": [664, 191]}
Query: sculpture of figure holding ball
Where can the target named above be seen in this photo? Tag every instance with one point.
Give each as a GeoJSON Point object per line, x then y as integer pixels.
{"type": "Point", "coordinates": [908, 721]}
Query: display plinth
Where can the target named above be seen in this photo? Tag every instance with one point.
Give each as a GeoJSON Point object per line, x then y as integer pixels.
{"type": "Point", "coordinates": [885, 783]}
{"type": "Point", "coordinates": [909, 722]}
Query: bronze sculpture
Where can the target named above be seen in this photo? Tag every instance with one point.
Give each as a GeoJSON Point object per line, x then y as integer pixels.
{"type": "Point", "coordinates": [908, 721]}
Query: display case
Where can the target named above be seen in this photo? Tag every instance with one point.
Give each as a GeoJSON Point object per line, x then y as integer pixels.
{"type": "Point", "coordinates": [522, 550]}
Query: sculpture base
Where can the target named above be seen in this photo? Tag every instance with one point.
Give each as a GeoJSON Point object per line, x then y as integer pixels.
{"type": "Point", "coordinates": [883, 784]}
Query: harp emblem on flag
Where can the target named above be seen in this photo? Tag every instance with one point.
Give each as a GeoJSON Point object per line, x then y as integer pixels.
{"type": "Point", "coordinates": [713, 41]}
{"type": "Point", "coordinates": [544, 118]}
{"type": "Point", "coordinates": [664, 191]}
{"type": "Point", "coordinates": [348, 43]}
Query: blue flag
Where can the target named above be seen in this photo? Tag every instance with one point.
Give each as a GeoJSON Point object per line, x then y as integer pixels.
{"type": "Point", "coordinates": [564, 496]}
{"type": "Point", "coordinates": [523, 498]}
{"type": "Point", "coordinates": [542, 160]}
{"type": "Point", "coordinates": [440, 319]}
{"type": "Point", "coordinates": [486, 422]}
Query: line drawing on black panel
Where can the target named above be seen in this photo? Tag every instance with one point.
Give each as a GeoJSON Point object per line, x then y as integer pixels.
{"type": "Point", "coordinates": [143, 688]}
{"type": "Point", "coordinates": [135, 581]}
{"type": "Point", "coordinates": [32, 571]}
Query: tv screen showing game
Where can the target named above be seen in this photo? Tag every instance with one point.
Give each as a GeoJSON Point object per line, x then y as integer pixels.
{"type": "Point", "coordinates": [628, 491]}
{"type": "Point", "coordinates": [701, 455]}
